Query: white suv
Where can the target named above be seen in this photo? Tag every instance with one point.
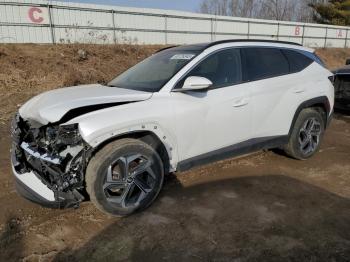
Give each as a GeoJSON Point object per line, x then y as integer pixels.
{"type": "Point", "coordinates": [183, 106]}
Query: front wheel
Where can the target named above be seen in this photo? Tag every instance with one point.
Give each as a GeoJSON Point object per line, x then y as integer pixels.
{"type": "Point", "coordinates": [306, 135]}
{"type": "Point", "coordinates": [125, 176]}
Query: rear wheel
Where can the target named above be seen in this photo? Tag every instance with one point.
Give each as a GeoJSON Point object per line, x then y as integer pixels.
{"type": "Point", "coordinates": [306, 135]}
{"type": "Point", "coordinates": [125, 176]}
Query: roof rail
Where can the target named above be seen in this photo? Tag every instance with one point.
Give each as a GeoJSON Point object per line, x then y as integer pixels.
{"type": "Point", "coordinates": [250, 40]}
{"type": "Point", "coordinates": [203, 46]}
{"type": "Point", "coordinates": [165, 48]}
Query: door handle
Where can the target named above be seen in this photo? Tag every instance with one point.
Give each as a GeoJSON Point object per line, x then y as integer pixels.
{"type": "Point", "coordinates": [299, 90]}
{"type": "Point", "coordinates": [240, 102]}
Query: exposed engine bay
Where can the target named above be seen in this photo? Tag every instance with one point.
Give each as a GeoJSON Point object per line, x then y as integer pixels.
{"type": "Point", "coordinates": [55, 153]}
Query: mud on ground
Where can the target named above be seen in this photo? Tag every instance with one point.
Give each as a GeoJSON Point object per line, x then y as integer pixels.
{"type": "Point", "coordinates": [262, 207]}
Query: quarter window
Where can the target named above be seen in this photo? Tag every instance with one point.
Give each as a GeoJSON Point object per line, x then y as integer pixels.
{"type": "Point", "coordinates": [297, 61]}
{"type": "Point", "coordinates": [260, 63]}
{"type": "Point", "coordinates": [222, 68]}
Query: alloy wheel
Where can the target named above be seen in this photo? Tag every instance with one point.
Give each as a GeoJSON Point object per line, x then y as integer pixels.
{"type": "Point", "coordinates": [309, 136]}
{"type": "Point", "coordinates": [129, 180]}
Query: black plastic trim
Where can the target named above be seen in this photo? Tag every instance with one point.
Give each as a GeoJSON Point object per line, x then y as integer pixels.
{"type": "Point", "coordinates": [242, 148]}
{"type": "Point", "coordinates": [310, 103]}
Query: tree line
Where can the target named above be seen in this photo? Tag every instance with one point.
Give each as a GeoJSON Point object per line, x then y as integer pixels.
{"type": "Point", "coordinates": [320, 11]}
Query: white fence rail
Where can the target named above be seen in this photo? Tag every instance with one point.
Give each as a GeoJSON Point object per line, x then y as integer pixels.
{"type": "Point", "coordinates": [60, 22]}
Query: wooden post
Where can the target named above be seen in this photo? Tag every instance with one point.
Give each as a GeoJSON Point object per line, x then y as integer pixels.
{"type": "Point", "coordinates": [248, 29]}
{"type": "Point", "coordinates": [166, 29]}
{"type": "Point", "coordinates": [53, 40]}
{"type": "Point", "coordinates": [346, 38]}
{"type": "Point", "coordinates": [114, 28]}
{"type": "Point", "coordinates": [303, 35]}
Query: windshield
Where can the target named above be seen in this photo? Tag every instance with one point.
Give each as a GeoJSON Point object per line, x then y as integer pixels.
{"type": "Point", "coordinates": [153, 73]}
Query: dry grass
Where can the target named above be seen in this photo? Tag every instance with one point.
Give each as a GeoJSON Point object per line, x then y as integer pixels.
{"type": "Point", "coordinates": [334, 57]}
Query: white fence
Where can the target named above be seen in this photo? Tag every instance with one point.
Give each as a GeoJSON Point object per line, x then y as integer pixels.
{"type": "Point", "coordinates": [60, 22]}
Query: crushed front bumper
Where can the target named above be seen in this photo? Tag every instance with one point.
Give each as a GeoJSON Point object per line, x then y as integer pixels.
{"type": "Point", "coordinates": [31, 168]}
{"type": "Point", "coordinates": [31, 187]}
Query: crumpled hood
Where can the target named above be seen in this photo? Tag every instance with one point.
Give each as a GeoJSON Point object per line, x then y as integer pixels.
{"type": "Point", "coordinates": [51, 106]}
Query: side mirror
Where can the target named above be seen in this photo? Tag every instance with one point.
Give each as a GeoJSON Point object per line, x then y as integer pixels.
{"type": "Point", "coordinates": [195, 83]}
{"type": "Point", "coordinates": [347, 62]}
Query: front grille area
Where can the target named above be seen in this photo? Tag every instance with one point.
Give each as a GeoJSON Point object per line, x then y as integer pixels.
{"type": "Point", "coordinates": [58, 165]}
{"type": "Point", "coordinates": [17, 155]}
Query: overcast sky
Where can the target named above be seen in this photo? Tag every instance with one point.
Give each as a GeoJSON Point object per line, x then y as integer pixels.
{"type": "Point", "coordinates": [184, 5]}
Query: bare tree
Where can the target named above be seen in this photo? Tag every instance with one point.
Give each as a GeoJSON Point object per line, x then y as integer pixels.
{"type": "Point", "coordinates": [287, 10]}
{"type": "Point", "coordinates": [276, 9]}
{"type": "Point", "coordinates": [246, 8]}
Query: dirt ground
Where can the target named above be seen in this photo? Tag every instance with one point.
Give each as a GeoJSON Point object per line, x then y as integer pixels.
{"type": "Point", "coordinates": [262, 207]}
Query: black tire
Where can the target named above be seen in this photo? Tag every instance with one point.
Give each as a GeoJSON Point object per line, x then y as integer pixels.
{"type": "Point", "coordinates": [114, 187]}
{"type": "Point", "coordinates": [297, 147]}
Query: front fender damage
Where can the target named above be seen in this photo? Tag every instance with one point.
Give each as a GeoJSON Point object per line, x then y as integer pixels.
{"type": "Point", "coordinates": [97, 137]}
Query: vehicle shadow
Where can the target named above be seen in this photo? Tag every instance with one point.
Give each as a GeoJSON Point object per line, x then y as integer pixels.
{"type": "Point", "coordinates": [261, 218]}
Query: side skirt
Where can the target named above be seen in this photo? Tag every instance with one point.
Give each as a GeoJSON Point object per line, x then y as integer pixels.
{"type": "Point", "coordinates": [242, 148]}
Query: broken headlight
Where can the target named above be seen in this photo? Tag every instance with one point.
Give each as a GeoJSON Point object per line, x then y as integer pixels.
{"type": "Point", "coordinates": [69, 134]}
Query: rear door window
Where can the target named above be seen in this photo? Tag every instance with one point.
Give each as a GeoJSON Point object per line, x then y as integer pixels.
{"type": "Point", "coordinates": [260, 63]}
{"type": "Point", "coordinates": [297, 61]}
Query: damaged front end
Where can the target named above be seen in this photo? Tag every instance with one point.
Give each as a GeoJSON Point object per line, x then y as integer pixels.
{"type": "Point", "coordinates": [49, 162]}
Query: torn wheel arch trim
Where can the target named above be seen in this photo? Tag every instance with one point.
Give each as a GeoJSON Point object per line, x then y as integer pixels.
{"type": "Point", "coordinates": [167, 140]}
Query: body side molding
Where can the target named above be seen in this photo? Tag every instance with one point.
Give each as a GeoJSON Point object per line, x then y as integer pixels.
{"type": "Point", "coordinates": [242, 148]}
